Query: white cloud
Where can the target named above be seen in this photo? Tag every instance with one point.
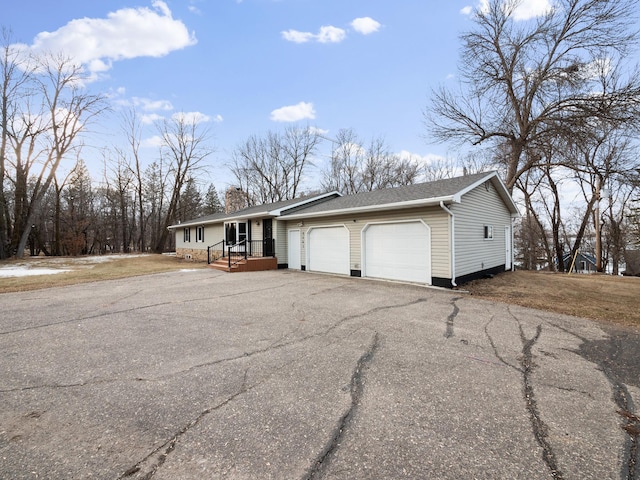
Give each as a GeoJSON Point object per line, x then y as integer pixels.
{"type": "Point", "coordinates": [191, 117]}
{"type": "Point", "coordinates": [318, 131]}
{"type": "Point", "coordinates": [149, 105]}
{"type": "Point", "coordinates": [152, 142]}
{"type": "Point", "coordinates": [125, 34]}
{"type": "Point", "coordinates": [365, 25]}
{"type": "Point", "coordinates": [218, 119]}
{"type": "Point", "coordinates": [294, 113]}
{"type": "Point", "coordinates": [329, 34]}
{"type": "Point", "coordinates": [326, 34]}
{"type": "Point", "coordinates": [298, 37]}
{"type": "Point", "coordinates": [526, 10]}
{"type": "Point", "coordinates": [531, 9]}
{"type": "Point", "coordinates": [150, 119]}
{"type": "Point", "coordinates": [428, 159]}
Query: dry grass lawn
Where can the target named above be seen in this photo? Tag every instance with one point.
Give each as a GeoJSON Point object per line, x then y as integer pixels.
{"type": "Point", "coordinates": [88, 269]}
{"type": "Point", "coordinates": [599, 297]}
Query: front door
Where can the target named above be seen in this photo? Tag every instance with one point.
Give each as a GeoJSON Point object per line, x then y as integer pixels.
{"type": "Point", "coordinates": [267, 237]}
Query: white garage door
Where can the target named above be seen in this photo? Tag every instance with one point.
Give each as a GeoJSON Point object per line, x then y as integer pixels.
{"type": "Point", "coordinates": [398, 251]}
{"type": "Point", "coordinates": [328, 250]}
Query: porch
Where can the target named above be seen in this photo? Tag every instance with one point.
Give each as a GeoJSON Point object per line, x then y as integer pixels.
{"type": "Point", "coordinates": [243, 256]}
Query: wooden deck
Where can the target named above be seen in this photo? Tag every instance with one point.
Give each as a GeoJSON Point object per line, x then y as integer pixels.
{"type": "Point", "coordinates": [251, 264]}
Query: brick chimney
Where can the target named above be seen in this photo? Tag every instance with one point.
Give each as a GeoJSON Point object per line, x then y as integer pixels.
{"type": "Point", "coordinates": [234, 200]}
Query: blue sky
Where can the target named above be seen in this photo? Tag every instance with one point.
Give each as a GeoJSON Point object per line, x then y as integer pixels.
{"type": "Point", "coordinates": [250, 66]}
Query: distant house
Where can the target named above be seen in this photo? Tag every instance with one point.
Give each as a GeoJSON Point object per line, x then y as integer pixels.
{"type": "Point", "coordinates": [584, 263]}
{"type": "Point", "coordinates": [440, 233]}
{"type": "Point", "coordinates": [632, 263]}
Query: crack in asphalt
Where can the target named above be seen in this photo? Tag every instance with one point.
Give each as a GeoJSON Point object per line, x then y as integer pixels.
{"type": "Point", "coordinates": [142, 307]}
{"type": "Point", "coordinates": [452, 316]}
{"type": "Point", "coordinates": [605, 353]}
{"type": "Point", "coordinates": [275, 346]}
{"type": "Point", "coordinates": [356, 389]}
{"type": "Point", "coordinates": [146, 468]}
{"type": "Point", "coordinates": [89, 317]}
{"type": "Point", "coordinates": [495, 348]}
{"type": "Point", "coordinates": [540, 430]}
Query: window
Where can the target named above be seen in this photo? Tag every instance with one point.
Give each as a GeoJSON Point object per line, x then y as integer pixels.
{"type": "Point", "coordinates": [200, 234]}
{"type": "Point", "coordinates": [230, 233]}
{"type": "Point", "coordinates": [187, 235]}
{"type": "Point", "coordinates": [242, 232]}
{"type": "Point", "coordinates": [488, 232]}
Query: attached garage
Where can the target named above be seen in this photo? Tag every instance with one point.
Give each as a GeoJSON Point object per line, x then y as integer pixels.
{"type": "Point", "coordinates": [328, 249]}
{"type": "Point", "coordinates": [397, 251]}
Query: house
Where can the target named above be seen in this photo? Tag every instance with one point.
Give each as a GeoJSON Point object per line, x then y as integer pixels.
{"type": "Point", "coordinates": [441, 233]}
{"type": "Point", "coordinates": [632, 263]}
{"type": "Point", "coordinates": [583, 263]}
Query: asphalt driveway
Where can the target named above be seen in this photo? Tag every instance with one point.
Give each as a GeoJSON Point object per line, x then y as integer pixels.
{"type": "Point", "coordinates": [290, 375]}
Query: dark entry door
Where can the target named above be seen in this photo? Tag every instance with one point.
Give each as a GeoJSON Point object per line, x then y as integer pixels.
{"type": "Point", "coordinates": [267, 237]}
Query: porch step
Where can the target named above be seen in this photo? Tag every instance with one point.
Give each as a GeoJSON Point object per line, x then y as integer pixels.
{"type": "Point", "coordinates": [248, 265]}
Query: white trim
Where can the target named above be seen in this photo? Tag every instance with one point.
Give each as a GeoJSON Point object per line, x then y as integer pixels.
{"type": "Point", "coordinates": [422, 202]}
{"type": "Point", "coordinates": [500, 187]}
{"type": "Point", "coordinates": [277, 212]}
{"type": "Point", "coordinates": [452, 242]}
{"type": "Point", "coordinates": [508, 237]}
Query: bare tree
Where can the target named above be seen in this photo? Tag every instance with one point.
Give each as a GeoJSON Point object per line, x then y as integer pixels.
{"type": "Point", "coordinates": [44, 132]}
{"type": "Point", "coordinates": [355, 167]}
{"type": "Point", "coordinates": [15, 75]}
{"type": "Point", "coordinates": [525, 82]}
{"type": "Point", "coordinates": [271, 169]}
{"type": "Point", "coordinates": [132, 130]}
{"type": "Point", "coordinates": [184, 148]}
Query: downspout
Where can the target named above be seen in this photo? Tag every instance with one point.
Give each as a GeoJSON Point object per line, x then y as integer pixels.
{"type": "Point", "coordinates": [452, 236]}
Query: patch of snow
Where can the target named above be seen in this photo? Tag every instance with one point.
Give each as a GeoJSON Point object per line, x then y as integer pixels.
{"type": "Point", "coordinates": [25, 271]}
{"type": "Point", "coordinates": [39, 265]}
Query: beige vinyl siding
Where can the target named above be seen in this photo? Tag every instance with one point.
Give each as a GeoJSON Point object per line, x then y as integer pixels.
{"type": "Point", "coordinates": [256, 230]}
{"type": "Point", "coordinates": [212, 234]}
{"type": "Point", "coordinates": [482, 206]}
{"type": "Point", "coordinates": [280, 236]}
{"type": "Point", "coordinates": [435, 217]}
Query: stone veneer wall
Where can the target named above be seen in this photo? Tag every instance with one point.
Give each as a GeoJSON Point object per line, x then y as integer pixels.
{"type": "Point", "coordinates": [197, 254]}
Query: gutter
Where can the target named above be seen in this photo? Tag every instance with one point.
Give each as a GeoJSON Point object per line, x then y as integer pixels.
{"type": "Point", "coordinates": [452, 235]}
{"type": "Point", "coordinates": [421, 202]}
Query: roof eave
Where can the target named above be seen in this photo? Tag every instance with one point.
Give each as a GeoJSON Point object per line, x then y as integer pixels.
{"type": "Point", "coordinates": [422, 202]}
{"type": "Point", "coordinates": [278, 211]}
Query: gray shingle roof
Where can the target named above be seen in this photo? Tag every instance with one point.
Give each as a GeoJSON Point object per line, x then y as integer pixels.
{"type": "Point", "coordinates": [420, 191]}
{"type": "Point", "coordinates": [249, 212]}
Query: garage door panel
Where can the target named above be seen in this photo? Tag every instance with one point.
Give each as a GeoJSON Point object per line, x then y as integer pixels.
{"type": "Point", "coordinates": [398, 251]}
{"type": "Point", "coordinates": [329, 250]}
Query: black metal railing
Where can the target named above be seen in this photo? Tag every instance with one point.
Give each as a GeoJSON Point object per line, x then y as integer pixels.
{"type": "Point", "coordinates": [214, 248]}
{"type": "Point", "coordinates": [241, 250]}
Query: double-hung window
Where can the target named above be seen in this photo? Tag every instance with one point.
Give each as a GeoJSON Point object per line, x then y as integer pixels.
{"type": "Point", "coordinates": [187, 235]}
{"type": "Point", "coordinates": [200, 234]}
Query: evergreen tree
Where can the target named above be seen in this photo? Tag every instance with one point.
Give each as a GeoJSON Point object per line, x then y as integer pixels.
{"type": "Point", "coordinates": [212, 203]}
